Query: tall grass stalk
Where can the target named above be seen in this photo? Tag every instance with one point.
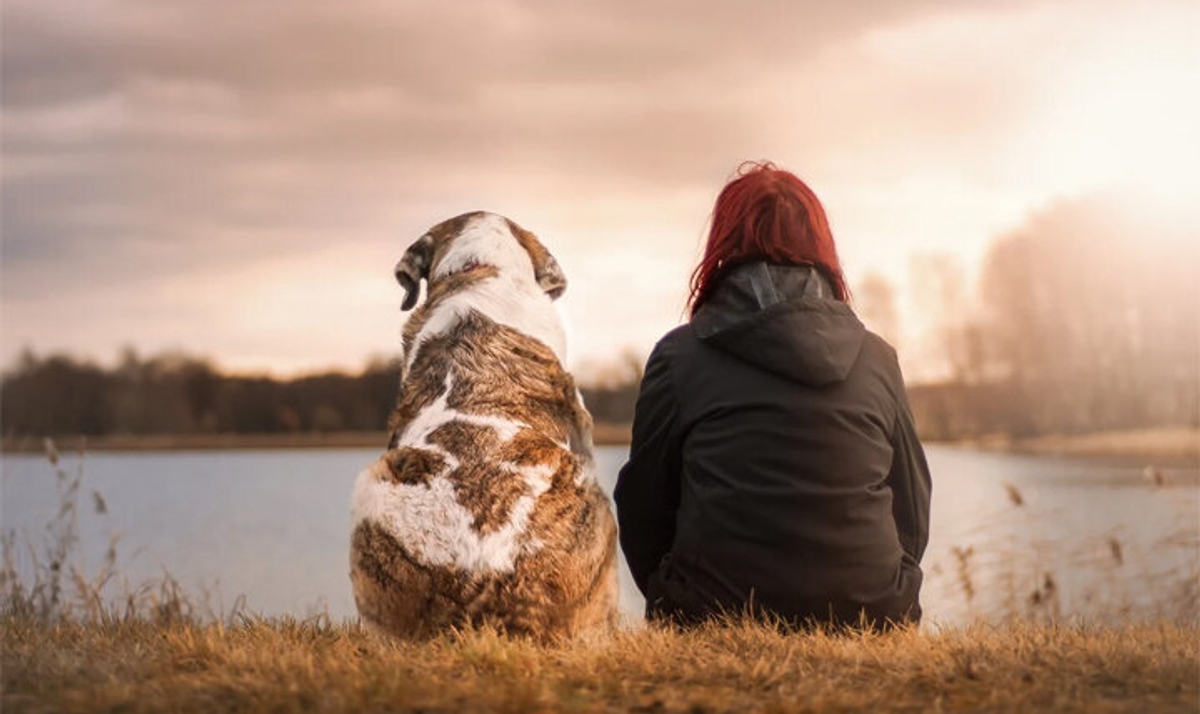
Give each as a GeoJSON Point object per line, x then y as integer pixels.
{"type": "Point", "coordinates": [54, 585]}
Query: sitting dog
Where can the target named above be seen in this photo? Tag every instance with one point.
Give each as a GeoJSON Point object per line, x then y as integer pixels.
{"type": "Point", "coordinates": [485, 508]}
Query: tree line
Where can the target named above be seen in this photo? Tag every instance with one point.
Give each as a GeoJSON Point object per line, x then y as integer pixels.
{"type": "Point", "coordinates": [175, 393]}
{"type": "Point", "coordinates": [1085, 318]}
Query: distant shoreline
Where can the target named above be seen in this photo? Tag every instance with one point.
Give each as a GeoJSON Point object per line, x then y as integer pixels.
{"type": "Point", "coordinates": [1173, 445]}
{"type": "Point", "coordinates": [604, 435]}
{"type": "Point", "coordinates": [1176, 445]}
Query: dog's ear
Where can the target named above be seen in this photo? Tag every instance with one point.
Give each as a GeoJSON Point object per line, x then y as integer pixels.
{"type": "Point", "coordinates": [550, 277]}
{"type": "Point", "coordinates": [546, 270]}
{"type": "Point", "coordinates": [414, 267]}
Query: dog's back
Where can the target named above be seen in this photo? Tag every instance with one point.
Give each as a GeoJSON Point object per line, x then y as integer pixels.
{"type": "Point", "coordinates": [485, 508]}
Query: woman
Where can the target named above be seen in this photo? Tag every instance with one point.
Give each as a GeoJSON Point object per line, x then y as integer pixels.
{"type": "Point", "coordinates": [774, 465]}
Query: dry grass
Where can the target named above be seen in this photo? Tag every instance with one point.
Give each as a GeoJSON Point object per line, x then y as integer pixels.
{"type": "Point", "coordinates": [69, 646]}
{"type": "Point", "coordinates": [284, 666]}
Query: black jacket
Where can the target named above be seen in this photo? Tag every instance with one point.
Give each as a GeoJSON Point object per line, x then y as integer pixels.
{"type": "Point", "coordinates": [774, 462]}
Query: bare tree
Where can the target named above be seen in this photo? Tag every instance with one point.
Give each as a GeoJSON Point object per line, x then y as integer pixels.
{"type": "Point", "coordinates": [940, 293]}
{"type": "Point", "coordinates": [1091, 315]}
{"type": "Point", "coordinates": [875, 302]}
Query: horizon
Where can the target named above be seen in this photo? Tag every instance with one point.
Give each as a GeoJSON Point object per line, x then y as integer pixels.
{"type": "Point", "coordinates": [242, 197]}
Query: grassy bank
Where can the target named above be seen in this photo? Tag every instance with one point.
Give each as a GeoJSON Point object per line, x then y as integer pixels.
{"type": "Point", "coordinates": [138, 666]}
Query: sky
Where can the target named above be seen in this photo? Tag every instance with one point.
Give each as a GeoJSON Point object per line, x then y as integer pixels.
{"type": "Point", "coordinates": [238, 180]}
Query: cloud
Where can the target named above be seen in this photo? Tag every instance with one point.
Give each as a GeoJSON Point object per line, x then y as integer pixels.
{"type": "Point", "coordinates": [152, 150]}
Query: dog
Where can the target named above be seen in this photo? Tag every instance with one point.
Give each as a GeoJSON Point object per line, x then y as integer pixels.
{"type": "Point", "coordinates": [485, 510]}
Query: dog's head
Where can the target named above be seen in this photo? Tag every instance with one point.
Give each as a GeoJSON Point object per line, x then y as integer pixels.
{"type": "Point", "coordinates": [477, 240]}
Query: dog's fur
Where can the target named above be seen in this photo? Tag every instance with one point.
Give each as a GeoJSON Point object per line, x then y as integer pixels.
{"type": "Point", "coordinates": [485, 509]}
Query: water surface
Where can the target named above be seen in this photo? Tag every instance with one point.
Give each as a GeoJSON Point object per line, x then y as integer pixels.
{"type": "Point", "coordinates": [1087, 538]}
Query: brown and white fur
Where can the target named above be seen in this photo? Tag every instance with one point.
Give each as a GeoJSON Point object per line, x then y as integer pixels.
{"type": "Point", "coordinates": [485, 508]}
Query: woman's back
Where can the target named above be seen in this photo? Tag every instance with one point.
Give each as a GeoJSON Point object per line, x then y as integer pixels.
{"type": "Point", "coordinates": [787, 412]}
{"type": "Point", "coordinates": [774, 463]}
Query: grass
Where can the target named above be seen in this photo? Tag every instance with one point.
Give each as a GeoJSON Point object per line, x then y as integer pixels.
{"type": "Point", "coordinates": [285, 666]}
{"type": "Point", "coordinates": [70, 645]}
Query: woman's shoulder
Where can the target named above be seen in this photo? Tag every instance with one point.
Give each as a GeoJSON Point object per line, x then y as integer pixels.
{"type": "Point", "coordinates": [678, 339]}
{"type": "Point", "coordinates": [877, 347]}
{"type": "Point", "coordinates": [880, 358]}
{"type": "Point", "coordinates": [672, 350]}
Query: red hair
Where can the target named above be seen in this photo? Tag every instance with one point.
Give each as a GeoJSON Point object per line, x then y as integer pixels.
{"type": "Point", "coordinates": [766, 213]}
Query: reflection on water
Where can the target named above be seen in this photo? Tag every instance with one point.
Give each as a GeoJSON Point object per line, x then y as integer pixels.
{"type": "Point", "coordinates": [1010, 534]}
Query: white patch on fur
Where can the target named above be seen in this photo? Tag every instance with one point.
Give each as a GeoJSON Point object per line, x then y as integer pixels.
{"type": "Point", "coordinates": [511, 298]}
{"type": "Point", "coordinates": [428, 519]}
{"type": "Point", "coordinates": [416, 434]}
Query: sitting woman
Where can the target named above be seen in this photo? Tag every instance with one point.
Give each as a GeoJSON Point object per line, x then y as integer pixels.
{"type": "Point", "coordinates": [774, 466]}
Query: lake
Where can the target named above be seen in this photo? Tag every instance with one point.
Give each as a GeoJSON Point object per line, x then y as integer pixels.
{"type": "Point", "coordinates": [1010, 534]}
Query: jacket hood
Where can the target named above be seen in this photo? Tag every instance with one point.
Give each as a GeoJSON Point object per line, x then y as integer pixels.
{"type": "Point", "coordinates": [783, 319]}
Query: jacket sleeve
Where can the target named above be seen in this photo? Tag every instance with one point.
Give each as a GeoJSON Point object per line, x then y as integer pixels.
{"type": "Point", "coordinates": [911, 484]}
{"type": "Point", "coordinates": [647, 491]}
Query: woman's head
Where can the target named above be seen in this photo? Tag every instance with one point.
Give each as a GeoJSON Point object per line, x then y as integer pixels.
{"type": "Point", "coordinates": [767, 214]}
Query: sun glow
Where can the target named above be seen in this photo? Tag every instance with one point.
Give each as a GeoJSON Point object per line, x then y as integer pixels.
{"type": "Point", "coordinates": [1124, 119]}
